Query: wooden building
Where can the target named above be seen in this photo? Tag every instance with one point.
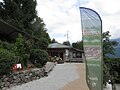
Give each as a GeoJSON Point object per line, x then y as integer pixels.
{"type": "Point", "coordinates": [67, 53]}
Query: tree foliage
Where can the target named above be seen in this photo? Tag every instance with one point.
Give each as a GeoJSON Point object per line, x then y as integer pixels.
{"type": "Point", "coordinates": [38, 57]}
{"type": "Point", "coordinates": [53, 40]}
{"type": "Point", "coordinates": [41, 44]}
{"type": "Point", "coordinates": [66, 43]}
{"type": "Point", "coordinates": [78, 45]}
{"type": "Point", "coordinates": [19, 13]}
{"type": "Point", "coordinates": [23, 15]}
{"type": "Point", "coordinates": [7, 59]}
{"type": "Point", "coordinates": [108, 48]}
{"type": "Point", "coordinates": [19, 48]}
{"type": "Point", "coordinates": [41, 33]}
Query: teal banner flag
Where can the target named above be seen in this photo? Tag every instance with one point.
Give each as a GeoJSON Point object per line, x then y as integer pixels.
{"type": "Point", "coordinates": [92, 42]}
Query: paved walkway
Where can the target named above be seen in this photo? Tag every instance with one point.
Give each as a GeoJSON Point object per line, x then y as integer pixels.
{"type": "Point", "coordinates": [80, 83]}
{"type": "Point", "coordinates": [68, 76]}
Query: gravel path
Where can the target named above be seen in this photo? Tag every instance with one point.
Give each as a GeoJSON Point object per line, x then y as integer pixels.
{"type": "Point", "coordinates": [61, 75]}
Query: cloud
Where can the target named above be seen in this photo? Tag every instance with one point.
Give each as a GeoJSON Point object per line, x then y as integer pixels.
{"type": "Point", "coordinates": [61, 16]}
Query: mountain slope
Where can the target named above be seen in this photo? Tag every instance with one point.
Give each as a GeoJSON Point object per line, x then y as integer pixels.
{"type": "Point", "coordinates": [117, 49]}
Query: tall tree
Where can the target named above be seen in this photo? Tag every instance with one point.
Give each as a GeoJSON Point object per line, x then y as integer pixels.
{"type": "Point", "coordinates": [78, 45]}
{"type": "Point", "coordinates": [19, 13]}
{"type": "Point", "coordinates": [40, 32]}
{"type": "Point", "coordinates": [23, 15]}
{"type": "Point", "coordinates": [108, 45]}
{"type": "Point", "coordinates": [53, 41]}
{"type": "Point", "coordinates": [66, 43]}
{"type": "Point", "coordinates": [39, 29]}
{"type": "Point", "coordinates": [108, 48]}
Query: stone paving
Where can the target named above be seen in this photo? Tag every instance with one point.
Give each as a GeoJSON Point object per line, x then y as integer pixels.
{"type": "Point", "coordinates": [80, 83]}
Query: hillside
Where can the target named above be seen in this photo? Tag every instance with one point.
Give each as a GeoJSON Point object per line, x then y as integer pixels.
{"type": "Point", "coordinates": [117, 49]}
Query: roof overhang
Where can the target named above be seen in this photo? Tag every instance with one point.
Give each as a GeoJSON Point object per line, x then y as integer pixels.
{"type": "Point", "coordinates": [10, 32]}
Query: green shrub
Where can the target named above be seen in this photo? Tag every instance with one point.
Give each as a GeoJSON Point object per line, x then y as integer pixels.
{"type": "Point", "coordinates": [38, 57]}
{"type": "Point", "coordinates": [41, 44]}
{"type": "Point", "coordinates": [6, 45]}
{"type": "Point", "coordinates": [7, 59]}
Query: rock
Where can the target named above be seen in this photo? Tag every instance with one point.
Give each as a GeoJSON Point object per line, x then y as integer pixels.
{"type": "Point", "coordinates": [30, 74]}
{"type": "Point", "coordinates": [4, 88]}
{"type": "Point", "coordinates": [27, 77]}
{"type": "Point", "coordinates": [37, 77]}
{"type": "Point", "coordinates": [11, 85]}
{"type": "Point", "coordinates": [22, 77]}
{"type": "Point", "coordinates": [7, 84]}
{"type": "Point", "coordinates": [18, 78]}
{"type": "Point", "coordinates": [5, 79]}
{"type": "Point", "coordinates": [3, 83]}
{"type": "Point", "coordinates": [0, 82]}
{"type": "Point", "coordinates": [4, 76]}
{"type": "Point", "coordinates": [15, 77]}
{"type": "Point", "coordinates": [14, 84]}
{"type": "Point", "coordinates": [10, 79]}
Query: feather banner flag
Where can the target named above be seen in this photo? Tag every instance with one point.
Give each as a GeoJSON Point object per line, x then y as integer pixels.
{"type": "Point", "coordinates": [92, 42]}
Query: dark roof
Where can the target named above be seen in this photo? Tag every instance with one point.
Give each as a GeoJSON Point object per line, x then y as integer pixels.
{"type": "Point", "coordinates": [10, 32]}
{"type": "Point", "coordinates": [77, 50]}
{"type": "Point", "coordinates": [58, 45]}
{"type": "Point", "coordinates": [61, 46]}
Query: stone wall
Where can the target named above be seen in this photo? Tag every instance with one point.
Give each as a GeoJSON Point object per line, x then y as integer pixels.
{"type": "Point", "coordinates": [21, 77]}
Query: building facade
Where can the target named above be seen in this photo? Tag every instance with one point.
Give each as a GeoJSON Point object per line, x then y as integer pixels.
{"type": "Point", "coordinates": [66, 53]}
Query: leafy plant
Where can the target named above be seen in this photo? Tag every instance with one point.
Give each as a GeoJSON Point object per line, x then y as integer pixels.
{"type": "Point", "coordinates": [6, 45]}
{"type": "Point", "coordinates": [38, 57]}
{"type": "Point", "coordinates": [19, 48]}
{"type": "Point", "coordinates": [41, 44]}
{"type": "Point", "coordinates": [7, 59]}
{"type": "Point", "coordinates": [78, 45]}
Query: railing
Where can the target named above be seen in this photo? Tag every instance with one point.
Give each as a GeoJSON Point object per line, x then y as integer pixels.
{"type": "Point", "coordinates": [76, 60]}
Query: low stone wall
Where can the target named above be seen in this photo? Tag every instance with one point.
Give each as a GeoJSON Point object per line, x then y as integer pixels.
{"type": "Point", "coordinates": [21, 77]}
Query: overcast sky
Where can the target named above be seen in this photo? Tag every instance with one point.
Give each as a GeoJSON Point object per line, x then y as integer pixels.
{"type": "Point", "coordinates": [61, 16]}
